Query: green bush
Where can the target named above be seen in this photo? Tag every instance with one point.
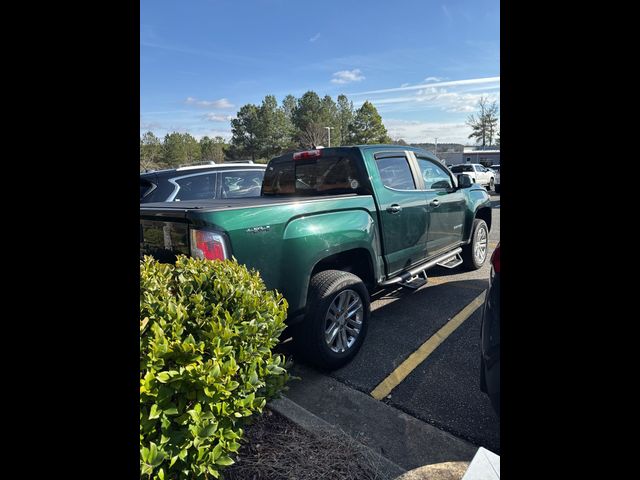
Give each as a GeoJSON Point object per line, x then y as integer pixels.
{"type": "Point", "coordinates": [207, 329]}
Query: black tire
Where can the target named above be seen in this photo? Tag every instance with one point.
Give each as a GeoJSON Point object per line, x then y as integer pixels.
{"type": "Point", "coordinates": [497, 188]}
{"type": "Point", "coordinates": [309, 336]}
{"type": "Point", "coordinates": [491, 185]}
{"type": "Point", "coordinates": [471, 261]}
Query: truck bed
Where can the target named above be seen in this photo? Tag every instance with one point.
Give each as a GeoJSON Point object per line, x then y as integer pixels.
{"type": "Point", "coordinates": [265, 232]}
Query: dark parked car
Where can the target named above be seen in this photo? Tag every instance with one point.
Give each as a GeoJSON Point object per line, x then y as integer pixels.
{"type": "Point", "coordinates": [202, 182]}
{"type": "Point", "coordinates": [490, 336]}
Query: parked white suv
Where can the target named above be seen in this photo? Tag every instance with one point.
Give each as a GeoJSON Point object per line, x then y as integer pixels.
{"type": "Point", "coordinates": [477, 172]}
{"type": "Point", "coordinates": [496, 182]}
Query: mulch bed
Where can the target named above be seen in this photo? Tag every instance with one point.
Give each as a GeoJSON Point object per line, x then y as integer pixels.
{"type": "Point", "coordinates": [277, 449]}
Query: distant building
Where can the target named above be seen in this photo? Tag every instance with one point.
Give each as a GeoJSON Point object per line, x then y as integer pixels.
{"type": "Point", "coordinates": [449, 153]}
{"type": "Point", "coordinates": [456, 153]}
{"type": "Point", "coordinates": [486, 157]}
{"type": "Point", "coordinates": [450, 158]}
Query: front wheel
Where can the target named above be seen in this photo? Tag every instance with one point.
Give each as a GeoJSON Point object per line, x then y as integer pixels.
{"type": "Point", "coordinates": [491, 184]}
{"type": "Point", "coordinates": [336, 324]}
{"type": "Point", "coordinates": [475, 253]}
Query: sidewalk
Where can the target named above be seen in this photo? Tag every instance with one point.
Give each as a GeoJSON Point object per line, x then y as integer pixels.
{"type": "Point", "coordinates": [403, 442]}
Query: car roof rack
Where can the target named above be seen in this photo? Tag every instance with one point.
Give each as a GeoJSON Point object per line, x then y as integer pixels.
{"type": "Point", "coordinates": [195, 166]}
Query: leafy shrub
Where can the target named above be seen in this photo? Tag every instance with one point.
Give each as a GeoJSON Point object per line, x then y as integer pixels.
{"type": "Point", "coordinates": [206, 333]}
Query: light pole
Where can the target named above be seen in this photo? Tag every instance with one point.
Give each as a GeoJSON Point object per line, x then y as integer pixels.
{"type": "Point", "coordinates": [436, 152]}
{"type": "Point", "coordinates": [329, 134]}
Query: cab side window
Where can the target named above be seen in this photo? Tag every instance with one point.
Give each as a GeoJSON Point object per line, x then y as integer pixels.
{"type": "Point", "coordinates": [434, 176]}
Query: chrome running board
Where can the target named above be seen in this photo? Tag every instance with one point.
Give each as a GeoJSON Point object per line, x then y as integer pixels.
{"type": "Point", "coordinates": [452, 263]}
{"type": "Point", "coordinates": [409, 276]}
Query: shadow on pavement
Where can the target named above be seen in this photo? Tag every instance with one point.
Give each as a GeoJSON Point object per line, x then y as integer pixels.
{"type": "Point", "coordinates": [435, 272]}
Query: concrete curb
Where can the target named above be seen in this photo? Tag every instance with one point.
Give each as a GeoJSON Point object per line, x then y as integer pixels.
{"type": "Point", "coordinates": [399, 437]}
{"type": "Point", "coordinates": [310, 422]}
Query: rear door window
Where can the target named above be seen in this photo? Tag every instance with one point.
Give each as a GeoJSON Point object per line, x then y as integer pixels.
{"type": "Point", "coordinates": [395, 173]}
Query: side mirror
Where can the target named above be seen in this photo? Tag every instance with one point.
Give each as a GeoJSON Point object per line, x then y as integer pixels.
{"type": "Point", "coordinates": [464, 181]}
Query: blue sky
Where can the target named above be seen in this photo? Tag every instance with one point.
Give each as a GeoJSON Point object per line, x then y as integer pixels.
{"type": "Point", "coordinates": [423, 64]}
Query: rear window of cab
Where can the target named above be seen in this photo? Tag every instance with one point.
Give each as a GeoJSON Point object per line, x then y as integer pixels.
{"type": "Point", "coordinates": [315, 176]}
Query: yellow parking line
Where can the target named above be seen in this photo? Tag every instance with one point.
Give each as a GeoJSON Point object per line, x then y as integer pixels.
{"type": "Point", "coordinates": [420, 355]}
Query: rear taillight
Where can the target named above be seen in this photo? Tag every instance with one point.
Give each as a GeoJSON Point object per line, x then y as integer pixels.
{"type": "Point", "coordinates": [307, 154]}
{"type": "Point", "coordinates": [495, 259]}
{"type": "Point", "coordinates": [209, 245]}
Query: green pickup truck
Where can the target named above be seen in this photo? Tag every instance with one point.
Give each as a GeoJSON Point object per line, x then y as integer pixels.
{"type": "Point", "coordinates": [332, 225]}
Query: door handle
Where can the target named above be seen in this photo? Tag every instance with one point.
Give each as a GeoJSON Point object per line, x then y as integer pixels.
{"type": "Point", "coordinates": [435, 202]}
{"type": "Point", "coordinates": [395, 208]}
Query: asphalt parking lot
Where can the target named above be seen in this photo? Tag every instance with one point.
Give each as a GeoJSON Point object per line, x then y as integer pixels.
{"type": "Point", "coordinates": [441, 387]}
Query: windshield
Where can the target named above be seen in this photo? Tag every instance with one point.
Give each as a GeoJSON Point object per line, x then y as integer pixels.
{"type": "Point", "coordinates": [461, 168]}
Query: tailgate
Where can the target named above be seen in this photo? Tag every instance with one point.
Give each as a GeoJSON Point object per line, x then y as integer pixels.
{"type": "Point", "coordinates": [164, 233]}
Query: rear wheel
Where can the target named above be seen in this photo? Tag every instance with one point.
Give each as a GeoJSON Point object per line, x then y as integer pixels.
{"type": "Point", "coordinates": [337, 319]}
{"type": "Point", "coordinates": [475, 253]}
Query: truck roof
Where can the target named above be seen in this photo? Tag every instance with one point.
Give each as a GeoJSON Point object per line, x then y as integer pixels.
{"type": "Point", "coordinates": [350, 148]}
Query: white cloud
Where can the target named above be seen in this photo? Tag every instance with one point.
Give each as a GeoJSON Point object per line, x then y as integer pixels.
{"type": "Point", "coordinates": [347, 76]}
{"type": "Point", "coordinates": [147, 125]}
{"type": "Point", "coordinates": [315, 37]}
{"type": "Point", "coordinates": [423, 132]}
{"type": "Point", "coordinates": [216, 117]}
{"type": "Point", "coordinates": [223, 103]}
{"type": "Point", "coordinates": [460, 102]}
{"type": "Point", "coordinates": [458, 96]}
{"type": "Point", "coordinates": [433, 79]}
{"type": "Point", "coordinates": [442, 99]}
{"type": "Point", "coordinates": [453, 83]}
{"type": "Point", "coordinates": [226, 134]}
